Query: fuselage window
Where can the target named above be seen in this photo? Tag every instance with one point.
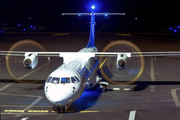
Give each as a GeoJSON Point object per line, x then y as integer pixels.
{"type": "Point", "coordinates": [73, 80]}
{"type": "Point", "coordinates": [65, 80]}
{"type": "Point", "coordinates": [49, 79]}
{"type": "Point", "coordinates": [55, 80]}
{"type": "Point", "coordinates": [77, 78]}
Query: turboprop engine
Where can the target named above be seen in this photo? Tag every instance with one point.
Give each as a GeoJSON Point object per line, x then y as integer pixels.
{"type": "Point", "coordinates": [30, 61]}
{"type": "Point", "coordinates": [121, 60]}
{"type": "Point", "coordinates": [134, 66]}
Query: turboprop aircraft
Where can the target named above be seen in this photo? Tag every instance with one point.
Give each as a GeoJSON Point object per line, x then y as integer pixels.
{"type": "Point", "coordinates": [79, 69]}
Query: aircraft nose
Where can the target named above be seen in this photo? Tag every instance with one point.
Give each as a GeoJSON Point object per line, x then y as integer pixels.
{"type": "Point", "coordinates": [58, 94]}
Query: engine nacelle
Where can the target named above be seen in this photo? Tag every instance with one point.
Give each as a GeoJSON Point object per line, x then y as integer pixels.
{"type": "Point", "coordinates": [30, 61]}
{"type": "Point", "coordinates": [121, 60]}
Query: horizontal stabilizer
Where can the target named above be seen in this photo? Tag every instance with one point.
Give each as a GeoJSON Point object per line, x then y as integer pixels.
{"type": "Point", "coordinates": [78, 14]}
{"type": "Point", "coordinates": [105, 14]}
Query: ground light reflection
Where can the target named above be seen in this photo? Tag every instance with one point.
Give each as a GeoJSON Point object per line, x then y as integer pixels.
{"type": "Point", "coordinates": [87, 100]}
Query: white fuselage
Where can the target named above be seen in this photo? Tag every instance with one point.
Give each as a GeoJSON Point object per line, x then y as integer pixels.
{"type": "Point", "coordinates": [67, 83]}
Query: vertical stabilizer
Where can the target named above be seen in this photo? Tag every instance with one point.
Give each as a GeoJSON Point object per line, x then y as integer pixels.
{"type": "Point", "coordinates": [91, 42]}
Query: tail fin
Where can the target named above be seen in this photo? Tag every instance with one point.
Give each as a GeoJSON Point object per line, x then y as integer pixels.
{"type": "Point", "coordinates": [91, 42]}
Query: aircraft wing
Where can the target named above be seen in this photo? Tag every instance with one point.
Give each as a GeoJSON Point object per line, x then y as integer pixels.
{"type": "Point", "coordinates": [155, 54]}
{"type": "Point", "coordinates": [92, 54]}
{"type": "Point", "coordinates": [31, 58]}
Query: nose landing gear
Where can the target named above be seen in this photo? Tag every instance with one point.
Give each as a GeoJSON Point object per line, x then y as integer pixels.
{"type": "Point", "coordinates": [59, 109]}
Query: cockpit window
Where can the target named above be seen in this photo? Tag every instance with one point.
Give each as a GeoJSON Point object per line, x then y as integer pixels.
{"type": "Point", "coordinates": [49, 79]}
{"type": "Point", "coordinates": [65, 80]}
{"type": "Point", "coordinates": [55, 80]}
{"type": "Point", "coordinates": [77, 78]}
{"type": "Point", "coordinates": [73, 80]}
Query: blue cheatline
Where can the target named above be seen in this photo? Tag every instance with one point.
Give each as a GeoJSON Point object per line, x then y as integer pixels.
{"type": "Point", "coordinates": [92, 31]}
{"type": "Point", "coordinates": [92, 69]}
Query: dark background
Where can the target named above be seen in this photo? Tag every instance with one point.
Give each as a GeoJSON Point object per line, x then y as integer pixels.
{"type": "Point", "coordinates": [152, 15]}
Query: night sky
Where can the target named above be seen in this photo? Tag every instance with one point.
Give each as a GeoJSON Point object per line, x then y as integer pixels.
{"type": "Point", "coordinates": [144, 10]}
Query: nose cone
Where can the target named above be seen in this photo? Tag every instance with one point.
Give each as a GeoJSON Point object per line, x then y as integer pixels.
{"type": "Point", "coordinates": [58, 94]}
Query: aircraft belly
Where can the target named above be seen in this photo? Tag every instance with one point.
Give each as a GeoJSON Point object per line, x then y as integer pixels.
{"type": "Point", "coordinates": [92, 82]}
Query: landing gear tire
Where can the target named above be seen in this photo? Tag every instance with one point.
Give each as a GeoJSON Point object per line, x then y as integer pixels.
{"type": "Point", "coordinates": [104, 89]}
{"type": "Point", "coordinates": [61, 109]}
{"type": "Point", "coordinates": [101, 88]}
{"type": "Point", "coordinates": [55, 107]}
{"type": "Point", "coordinates": [58, 109]}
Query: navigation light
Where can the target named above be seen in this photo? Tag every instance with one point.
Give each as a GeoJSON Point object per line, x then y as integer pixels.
{"type": "Point", "coordinates": [93, 7]}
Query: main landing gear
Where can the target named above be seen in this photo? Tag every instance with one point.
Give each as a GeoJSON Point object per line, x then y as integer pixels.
{"type": "Point", "coordinates": [102, 86]}
{"type": "Point", "coordinates": [59, 109]}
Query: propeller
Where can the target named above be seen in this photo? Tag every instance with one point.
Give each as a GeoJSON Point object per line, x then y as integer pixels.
{"type": "Point", "coordinates": [121, 72]}
{"type": "Point", "coordinates": [14, 64]}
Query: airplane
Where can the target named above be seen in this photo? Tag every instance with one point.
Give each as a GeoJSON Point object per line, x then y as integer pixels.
{"type": "Point", "coordinates": [79, 69]}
